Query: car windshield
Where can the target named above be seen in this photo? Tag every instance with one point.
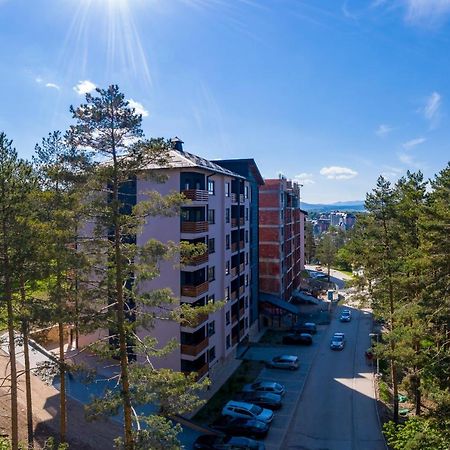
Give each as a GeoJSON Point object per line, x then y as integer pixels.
{"type": "Point", "coordinates": [338, 338]}
{"type": "Point", "coordinates": [256, 410]}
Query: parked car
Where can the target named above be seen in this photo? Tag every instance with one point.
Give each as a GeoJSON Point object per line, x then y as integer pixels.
{"type": "Point", "coordinates": [247, 411]}
{"type": "Point", "coordinates": [263, 399]}
{"type": "Point", "coordinates": [297, 339]}
{"type": "Point", "coordinates": [307, 327]}
{"type": "Point", "coordinates": [284, 362]}
{"type": "Point", "coordinates": [241, 427]}
{"type": "Point", "coordinates": [265, 386]}
{"type": "Point", "coordinates": [222, 442]}
{"type": "Point", "coordinates": [337, 341]}
{"type": "Point", "coordinates": [346, 316]}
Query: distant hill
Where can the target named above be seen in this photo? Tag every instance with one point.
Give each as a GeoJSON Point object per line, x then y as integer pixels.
{"type": "Point", "coordinates": [357, 205]}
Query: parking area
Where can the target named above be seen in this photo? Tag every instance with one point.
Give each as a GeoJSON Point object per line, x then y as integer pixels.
{"type": "Point", "coordinates": [294, 381]}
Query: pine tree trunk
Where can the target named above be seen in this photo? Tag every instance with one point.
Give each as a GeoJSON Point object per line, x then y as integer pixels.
{"type": "Point", "coordinates": [417, 395]}
{"type": "Point", "coordinates": [26, 355]}
{"type": "Point", "coordinates": [126, 398]}
{"type": "Point", "coordinates": [12, 344]}
{"type": "Point", "coordinates": [62, 394]}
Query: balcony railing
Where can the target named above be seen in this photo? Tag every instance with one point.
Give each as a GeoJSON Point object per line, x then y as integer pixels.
{"type": "Point", "coordinates": [234, 247]}
{"type": "Point", "coordinates": [242, 267]}
{"type": "Point", "coordinates": [233, 295]}
{"type": "Point", "coordinates": [234, 222]}
{"type": "Point", "coordinates": [234, 271]}
{"type": "Point", "coordinates": [202, 371]}
{"type": "Point", "coordinates": [241, 198]}
{"type": "Point", "coordinates": [241, 221]}
{"type": "Point", "coordinates": [196, 260]}
{"type": "Point", "coordinates": [241, 290]}
{"type": "Point", "coordinates": [194, 227]}
{"type": "Point", "coordinates": [196, 195]}
{"type": "Point", "coordinates": [199, 320]}
{"type": "Point", "coordinates": [233, 197]}
{"type": "Point", "coordinates": [194, 291]}
{"type": "Point", "coordinates": [194, 350]}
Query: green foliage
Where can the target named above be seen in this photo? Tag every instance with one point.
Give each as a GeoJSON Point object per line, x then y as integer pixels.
{"type": "Point", "coordinates": [416, 433]}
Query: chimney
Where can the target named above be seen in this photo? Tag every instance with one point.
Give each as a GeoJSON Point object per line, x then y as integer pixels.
{"type": "Point", "coordinates": [177, 143]}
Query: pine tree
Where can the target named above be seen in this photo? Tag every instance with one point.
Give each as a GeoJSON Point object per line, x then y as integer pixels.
{"type": "Point", "coordinates": [108, 128]}
{"type": "Point", "coordinates": [14, 190]}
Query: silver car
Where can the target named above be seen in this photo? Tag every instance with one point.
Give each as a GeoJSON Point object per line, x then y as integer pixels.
{"type": "Point", "coordinates": [265, 386]}
{"type": "Point", "coordinates": [289, 362]}
{"type": "Point", "coordinates": [337, 341]}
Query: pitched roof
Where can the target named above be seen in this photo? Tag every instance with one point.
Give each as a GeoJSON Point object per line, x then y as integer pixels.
{"type": "Point", "coordinates": [183, 159]}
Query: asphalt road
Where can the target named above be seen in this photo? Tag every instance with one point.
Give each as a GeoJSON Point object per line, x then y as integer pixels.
{"type": "Point", "coordinates": [337, 409]}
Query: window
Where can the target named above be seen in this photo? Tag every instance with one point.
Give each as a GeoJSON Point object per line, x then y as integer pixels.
{"type": "Point", "coordinates": [211, 187]}
{"type": "Point", "coordinates": [246, 301]}
{"type": "Point", "coordinates": [212, 298]}
{"type": "Point", "coordinates": [228, 341]}
{"type": "Point", "coordinates": [227, 268]}
{"type": "Point", "coordinates": [246, 280]}
{"type": "Point", "coordinates": [212, 354]}
{"type": "Point", "coordinates": [246, 258]}
{"type": "Point", "coordinates": [211, 216]}
{"type": "Point", "coordinates": [227, 189]}
{"type": "Point", "coordinates": [211, 245]}
{"type": "Point", "coordinates": [246, 322]}
{"type": "Point", "coordinates": [227, 242]}
{"type": "Point", "coordinates": [211, 328]}
{"type": "Point", "coordinates": [227, 294]}
{"type": "Point", "coordinates": [246, 235]}
{"type": "Point", "coordinates": [227, 319]}
{"type": "Point", "coordinates": [246, 214]}
{"type": "Point", "coordinates": [246, 191]}
{"type": "Point", "coordinates": [227, 215]}
{"type": "Point", "coordinates": [211, 273]}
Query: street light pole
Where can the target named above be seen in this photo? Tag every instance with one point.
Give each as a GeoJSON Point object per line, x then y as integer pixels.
{"type": "Point", "coordinates": [375, 335]}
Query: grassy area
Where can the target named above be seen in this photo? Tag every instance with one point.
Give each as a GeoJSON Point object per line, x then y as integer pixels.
{"type": "Point", "coordinates": [346, 272]}
{"type": "Point", "coordinates": [245, 373]}
{"type": "Point", "coordinates": [271, 337]}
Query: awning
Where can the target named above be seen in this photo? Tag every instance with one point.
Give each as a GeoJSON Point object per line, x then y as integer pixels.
{"type": "Point", "coordinates": [278, 302]}
{"type": "Point", "coordinates": [303, 296]}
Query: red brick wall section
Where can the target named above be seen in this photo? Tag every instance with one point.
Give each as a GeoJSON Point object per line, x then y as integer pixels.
{"type": "Point", "coordinates": [271, 285]}
{"type": "Point", "coordinates": [269, 217]}
{"type": "Point", "coordinates": [269, 234]}
{"type": "Point", "coordinates": [269, 251]}
{"type": "Point", "coordinates": [269, 268]}
{"type": "Point", "coordinates": [269, 199]}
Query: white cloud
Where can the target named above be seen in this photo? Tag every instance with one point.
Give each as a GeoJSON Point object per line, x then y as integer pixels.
{"type": "Point", "coordinates": [383, 130]}
{"type": "Point", "coordinates": [84, 87]}
{"type": "Point", "coordinates": [422, 11]}
{"type": "Point", "coordinates": [305, 178]}
{"type": "Point", "coordinates": [52, 86]}
{"type": "Point", "coordinates": [431, 109]}
{"type": "Point", "coordinates": [413, 142]}
{"type": "Point", "coordinates": [138, 107]}
{"type": "Point", "coordinates": [38, 80]}
{"type": "Point", "coordinates": [338, 173]}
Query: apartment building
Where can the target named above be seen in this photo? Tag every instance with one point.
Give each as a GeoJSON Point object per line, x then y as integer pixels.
{"type": "Point", "coordinates": [281, 239]}
{"type": "Point", "coordinates": [248, 169]}
{"type": "Point", "coordinates": [217, 215]}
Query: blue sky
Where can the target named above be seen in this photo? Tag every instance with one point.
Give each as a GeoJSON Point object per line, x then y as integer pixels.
{"type": "Point", "coordinates": [331, 93]}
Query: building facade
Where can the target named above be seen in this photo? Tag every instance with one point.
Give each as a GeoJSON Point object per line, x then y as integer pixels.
{"type": "Point", "coordinates": [281, 238]}
{"type": "Point", "coordinates": [218, 215]}
{"type": "Point", "coordinates": [248, 169]}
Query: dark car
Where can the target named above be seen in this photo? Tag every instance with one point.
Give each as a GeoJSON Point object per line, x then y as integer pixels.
{"type": "Point", "coordinates": [221, 442]}
{"type": "Point", "coordinates": [308, 327]}
{"type": "Point", "coordinates": [265, 386]}
{"type": "Point", "coordinates": [263, 399]}
{"type": "Point", "coordinates": [297, 339]}
{"type": "Point", "coordinates": [241, 427]}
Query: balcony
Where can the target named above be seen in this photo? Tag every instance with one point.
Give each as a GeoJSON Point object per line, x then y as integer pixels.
{"type": "Point", "coordinates": [234, 222]}
{"type": "Point", "coordinates": [233, 197]}
{"type": "Point", "coordinates": [234, 271]}
{"type": "Point", "coordinates": [199, 320]}
{"type": "Point", "coordinates": [242, 268]}
{"type": "Point", "coordinates": [194, 291]}
{"type": "Point", "coordinates": [241, 312]}
{"type": "Point", "coordinates": [234, 341]}
{"type": "Point", "coordinates": [234, 319]}
{"type": "Point", "coordinates": [241, 290]}
{"type": "Point", "coordinates": [196, 195]}
{"type": "Point", "coordinates": [194, 349]}
{"type": "Point", "coordinates": [196, 260]}
{"type": "Point", "coordinates": [241, 198]}
{"type": "Point", "coordinates": [241, 221]}
{"type": "Point", "coordinates": [233, 295]}
{"type": "Point", "coordinates": [202, 371]}
{"type": "Point", "coordinates": [234, 247]}
{"type": "Point", "coordinates": [194, 227]}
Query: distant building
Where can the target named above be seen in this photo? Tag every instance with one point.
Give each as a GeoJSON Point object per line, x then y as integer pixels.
{"type": "Point", "coordinates": [281, 238]}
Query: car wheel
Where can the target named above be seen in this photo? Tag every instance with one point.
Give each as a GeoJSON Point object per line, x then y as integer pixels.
{"type": "Point", "coordinates": [292, 368]}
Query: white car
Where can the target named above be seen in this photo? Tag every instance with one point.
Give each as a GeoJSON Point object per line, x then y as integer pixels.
{"type": "Point", "coordinates": [247, 411]}
{"type": "Point", "coordinates": [284, 362]}
{"type": "Point", "coordinates": [337, 341]}
{"type": "Point", "coordinates": [265, 386]}
{"type": "Point", "coordinates": [346, 316]}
